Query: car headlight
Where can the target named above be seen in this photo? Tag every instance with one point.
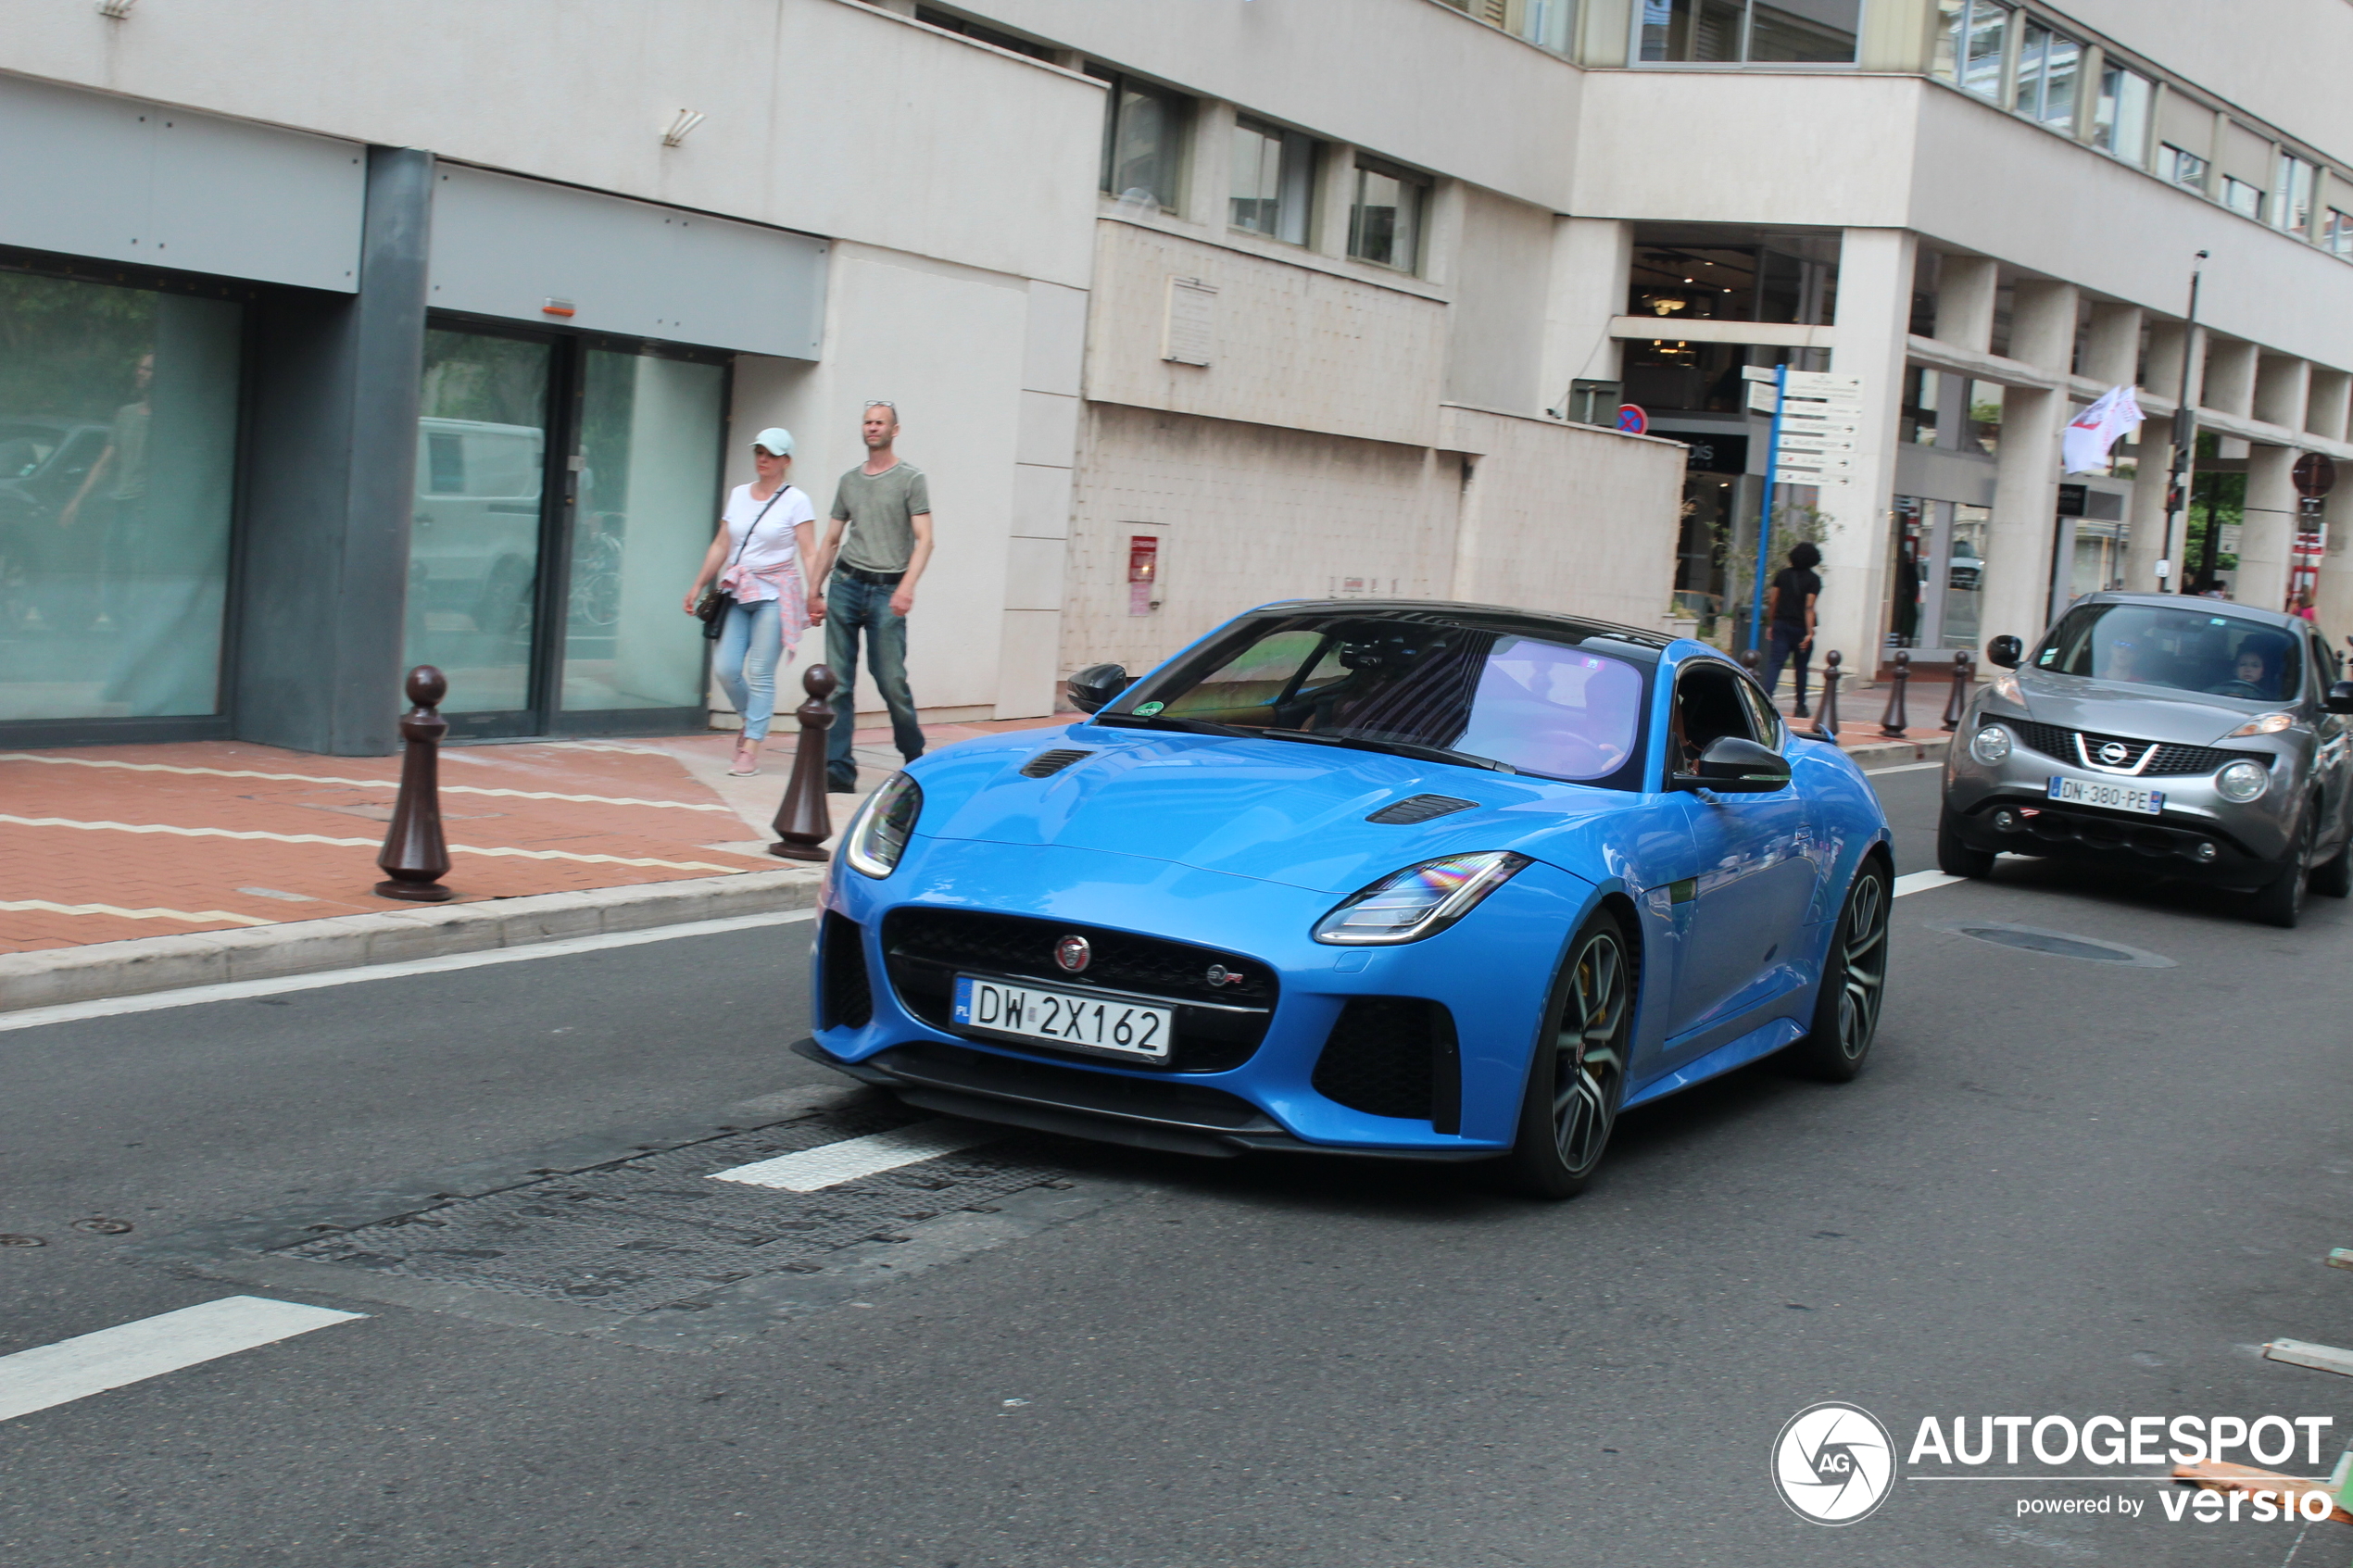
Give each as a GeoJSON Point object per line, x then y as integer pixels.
{"type": "Point", "coordinates": [2268, 724]}
{"type": "Point", "coordinates": [878, 834]}
{"type": "Point", "coordinates": [1990, 744]}
{"type": "Point", "coordinates": [1420, 900]}
{"type": "Point", "coordinates": [2242, 781]}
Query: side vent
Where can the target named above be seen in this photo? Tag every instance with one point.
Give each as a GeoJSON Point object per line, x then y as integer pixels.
{"type": "Point", "coordinates": [1415, 808]}
{"type": "Point", "coordinates": [1394, 1056]}
{"type": "Point", "coordinates": [848, 1000]}
{"type": "Point", "coordinates": [1048, 764]}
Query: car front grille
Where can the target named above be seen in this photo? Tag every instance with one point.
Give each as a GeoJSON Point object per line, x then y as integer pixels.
{"type": "Point", "coordinates": [848, 1000]}
{"type": "Point", "coordinates": [926, 948]}
{"type": "Point", "coordinates": [1394, 1056]}
{"type": "Point", "coordinates": [2171, 760]}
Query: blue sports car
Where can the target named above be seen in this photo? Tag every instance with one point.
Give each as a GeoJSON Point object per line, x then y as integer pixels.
{"type": "Point", "coordinates": [1413, 880]}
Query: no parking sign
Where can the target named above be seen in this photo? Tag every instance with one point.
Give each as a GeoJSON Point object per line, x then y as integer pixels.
{"type": "Point", "coordinates": [1632, 421]}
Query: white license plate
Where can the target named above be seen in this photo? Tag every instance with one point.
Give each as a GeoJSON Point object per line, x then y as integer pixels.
{"type": "Point", "coordinates": [1088, 1022]}
{"type": "Point", "coordinates": [2116, 797]}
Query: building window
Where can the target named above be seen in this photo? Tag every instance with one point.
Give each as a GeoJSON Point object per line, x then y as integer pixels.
{"type": "Point", "coordinates": [2243, 198]}
{"type": "Point", "coordinates": [1274, 181]}
{"type": "Point", "coordinates": [1748, 31]}
{"type": "Point", "coordinates": [1143, 141]}
{"type": "Point", "coordinates": [2048, 64]}
{"type": "Point", "coordinates": [949, 22]}
{"type": "Point", "coordinates": [2336, 234]}
{"type": "Point", "coordinates": [1543, 22]}
{"type": "Point", "coordinates": [2291, 195]}
{"type": "Point", "coordinates": [2120, 118]}
{"type": "Point", "coordinates": [1970, 43]}
{"type": "Point", "coordinates": [117, 446]}
{"type": "Point", "coordinates": [2181, 168]}
{"type": "Point", "coordinates": [1385, 218]}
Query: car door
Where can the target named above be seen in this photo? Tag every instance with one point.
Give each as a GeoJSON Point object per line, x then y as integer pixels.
{"type": "Point", "coordinates": [2331, 765]}
{"type": "Point", "coordinates": [1755, 883]}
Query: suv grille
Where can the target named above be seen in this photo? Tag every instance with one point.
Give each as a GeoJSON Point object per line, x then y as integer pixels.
{"type": "Point", "coordinates": [924, 949]}
{"type": "Point", "coordinates": [2171, 760]}
{"type": "Point", "coordinates": [1394, 1056]}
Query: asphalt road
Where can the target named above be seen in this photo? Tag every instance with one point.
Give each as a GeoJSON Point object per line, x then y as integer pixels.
{"type": "Point", "coordinates": [2064, 1186]}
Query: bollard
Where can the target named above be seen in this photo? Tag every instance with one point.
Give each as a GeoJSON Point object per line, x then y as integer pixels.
{"type": "Point", "coordinates": [802, 822]}
{"type": "Point", "coordinates": [1963, 667]}
{"type": "Point", "coordinates": [1749, 661]}
{"type": "Point", "coordinates": [1890, 724]}
{"type": "Point", "coordinates": [414, 856]}
{"type": "Point", "coordinates": [1826, 716]}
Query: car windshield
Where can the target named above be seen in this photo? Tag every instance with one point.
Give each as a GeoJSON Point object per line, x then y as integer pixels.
{"type": "Point", "coordinates": [2187, 650]}
{"type": "Point", "coordinates": [1481, 695]}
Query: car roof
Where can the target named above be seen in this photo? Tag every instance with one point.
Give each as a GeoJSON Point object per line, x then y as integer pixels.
{"type": "Point", "coordinates": [1638, 643]}
{"type": "Point", "coordinates": [2195, 604]}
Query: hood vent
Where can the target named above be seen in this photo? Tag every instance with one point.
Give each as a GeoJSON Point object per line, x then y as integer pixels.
{"type": "Point", "coordinates": [1417, 808]}
{"type": "Point", "coordinates": [1048, 764]}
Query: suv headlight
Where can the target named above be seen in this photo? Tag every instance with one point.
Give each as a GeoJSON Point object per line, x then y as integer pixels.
{"type": "Point", "coordinates": [878, 834]}
{"type": "Point", "coordinates": [1990, 744]}
{"type": "Point", "coordinates": [1420, 900]}
{"type": "Point", "coordinates": [2268, 724]}
{"type": "Point", "coordinates": [2242, 781]}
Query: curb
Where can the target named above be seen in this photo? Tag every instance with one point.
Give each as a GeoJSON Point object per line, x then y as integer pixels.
{"type": "Point", "coordinates": [54, 976]}
{"type": "Point", "coordinates": [1929, 747]}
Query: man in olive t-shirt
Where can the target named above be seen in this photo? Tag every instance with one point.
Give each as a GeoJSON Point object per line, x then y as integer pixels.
{"type": "Point", "coordinates": [874, 554]}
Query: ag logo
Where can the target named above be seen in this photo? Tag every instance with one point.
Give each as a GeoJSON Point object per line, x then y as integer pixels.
{"type": "Point", "coordinates": [1834, 1464]}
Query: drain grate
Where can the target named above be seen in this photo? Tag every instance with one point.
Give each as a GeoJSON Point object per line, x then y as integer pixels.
{"type": "Point", "coordinates": [2058, 944]}
{"type": "Point", "coordinates": [653, 1231]}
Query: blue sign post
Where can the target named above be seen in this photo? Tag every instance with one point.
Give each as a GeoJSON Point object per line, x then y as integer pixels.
{"type": "Point", "coordinates": [1765, 522]}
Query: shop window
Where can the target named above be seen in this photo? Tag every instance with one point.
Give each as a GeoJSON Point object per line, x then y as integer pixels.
{"type": "Point", "coordinates": [118, 438]}
{"type": "Point", "coordinates": [1274, 181]}
{"type": "Point", "coordinates": [1385, 218]}
{"type": "Point", "coordinates": [2048, 64]}
{"type": "Point", "coordinates": [1747, 31]}
{"type": "Point", "coordinates": [2121, 115]}
{"type": "Point", "coordinates": [2181, 168]}
{"type": "Point", "coordinates": [1143, 141]}
{"type": "Point", "coordinates": [1971, 38]}
{"type": "Point", "coordinates": [2243, 197]}
{"type": "Point", "coordinates": [2291, 195]}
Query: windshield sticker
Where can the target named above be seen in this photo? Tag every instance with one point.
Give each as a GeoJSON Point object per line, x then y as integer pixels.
{"type": "Point", "coordinates": [1145, 709]}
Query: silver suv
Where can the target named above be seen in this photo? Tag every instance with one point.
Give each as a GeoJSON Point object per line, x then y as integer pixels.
{"type": "Point", "coordinates": [2183, 738]}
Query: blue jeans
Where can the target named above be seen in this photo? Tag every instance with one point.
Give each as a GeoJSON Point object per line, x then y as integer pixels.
{"type": "Point", "coordinates": [852, 606]}
{"type": "Point", "coordinates": [749, 644]}
{"type": "Point", "coordinates": [1780, 650]}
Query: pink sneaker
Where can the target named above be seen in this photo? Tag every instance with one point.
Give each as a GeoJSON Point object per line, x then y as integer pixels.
{"type": "Point", "coordinates": [746, 759]}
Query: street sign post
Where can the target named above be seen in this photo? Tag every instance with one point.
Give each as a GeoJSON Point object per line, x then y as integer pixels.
{"type": "Point", "coordinates": [1815, 418]}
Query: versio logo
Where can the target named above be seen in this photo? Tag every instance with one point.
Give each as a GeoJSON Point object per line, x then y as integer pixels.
{"type": "Point", "coordinates": [1834, 1464]}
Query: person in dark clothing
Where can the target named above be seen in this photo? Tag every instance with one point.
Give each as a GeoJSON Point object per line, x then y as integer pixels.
{"type": "Point", "coordinates": [1789, 617]}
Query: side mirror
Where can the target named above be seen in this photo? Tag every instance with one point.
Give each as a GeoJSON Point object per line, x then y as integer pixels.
{"type": "Point", "coordinates": [2006, 652]}
{"type": "Point", "coordinates": [2340, 698]}
{"type": "Point", "coordinates": [1732, 766]}
{"type": "Point", "coordinates": [1095, 687]}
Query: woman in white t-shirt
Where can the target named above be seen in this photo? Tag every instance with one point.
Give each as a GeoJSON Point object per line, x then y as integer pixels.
{"type": "Point", "coordinates": [765, 534]}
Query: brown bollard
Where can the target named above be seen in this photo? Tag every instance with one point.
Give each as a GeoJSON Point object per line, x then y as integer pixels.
{"type": "Point", "coordinates": [1749, 661]}
{"type": "Point", "coordinates": [802, 822]}
{"type": "Point", "coordinates": [1826, 716]}
{"type": "Point", "coordinates": [1892, 722]}
{"type": "Point", "coordinates": [1963, 666]}
{"type": "Point", "coordinates": [415, 856]}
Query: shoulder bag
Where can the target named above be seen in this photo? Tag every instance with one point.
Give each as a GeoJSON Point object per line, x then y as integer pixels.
{"type": "Point", "coordinates": [712, 607]}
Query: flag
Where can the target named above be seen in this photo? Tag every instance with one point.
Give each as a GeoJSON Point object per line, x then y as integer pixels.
{"type": "Point", "coordinates": [2086, 446]}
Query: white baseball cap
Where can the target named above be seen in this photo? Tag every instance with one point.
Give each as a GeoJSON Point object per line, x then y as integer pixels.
{"type": "Point", "coordinates": [775, 441]}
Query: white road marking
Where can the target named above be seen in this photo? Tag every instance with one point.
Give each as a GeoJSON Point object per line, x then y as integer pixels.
{"type": "Point", "coordinates": [195, 917]}
{"type": "Point", "coordinates": [1904, 768]}
{"type": "Point", "coordinates": [1921, 881]}
{"type": "Point", "coordinates": [367, 783]}
{"type": "Point", "coordinates": [131, 1352]}
{"type": "Point", "coordinates": [812, 1170]}
{"type": "Point", "coordinates": [237, 990]}
{"type": "Point", "coordinates": [257, 835]}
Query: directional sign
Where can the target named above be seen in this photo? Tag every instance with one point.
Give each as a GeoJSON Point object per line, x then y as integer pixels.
{"type": "Point", "coordinates": [1821, 383]}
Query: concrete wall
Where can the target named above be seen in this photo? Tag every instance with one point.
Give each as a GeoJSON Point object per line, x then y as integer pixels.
{"type": "Point", "coordinates": [1501, 278]}
{"type": "Point", "coordinates": [2284, 60]}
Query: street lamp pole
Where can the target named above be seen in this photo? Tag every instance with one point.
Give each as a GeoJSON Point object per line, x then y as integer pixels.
{"type": "Point", "coordinates": [2185, 445]}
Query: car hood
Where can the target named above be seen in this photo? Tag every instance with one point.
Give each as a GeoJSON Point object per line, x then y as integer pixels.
{"type": "Point", "coordinates": [2144, 712]}
{"type": "Point", "coordinates": [1273, 810]}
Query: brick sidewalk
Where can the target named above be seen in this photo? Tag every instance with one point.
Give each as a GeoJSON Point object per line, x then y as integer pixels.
{"type": "Point", "coordinates": [109, 843]}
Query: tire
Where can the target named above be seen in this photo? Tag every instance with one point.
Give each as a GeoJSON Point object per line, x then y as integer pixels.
{"type": "Point", "coordinates": [1847, 1007]}
{"type": "Point", "coordinates": [1579, 1077]}
{"type": "Point", "coordinates": [1955, 858]}
{"type": "Point", "coordinates": [2334, 876]}
{"type": "Point", "coordinates": [2281, 901]}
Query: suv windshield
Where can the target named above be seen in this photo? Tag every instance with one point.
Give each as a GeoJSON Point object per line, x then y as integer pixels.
{"type": "Point", "coordinates": [1480, 696]}
{"type": "Point", "coordinates": [2187, 650]}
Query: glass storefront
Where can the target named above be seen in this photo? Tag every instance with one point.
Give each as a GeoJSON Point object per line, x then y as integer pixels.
{"type": "Point", "coordinates": [117, 456]}
{"type": "Point", "coordinates": [1936, 574]}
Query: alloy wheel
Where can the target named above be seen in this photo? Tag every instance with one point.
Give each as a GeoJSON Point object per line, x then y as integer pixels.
{"type": "Point", "coordinates": [1865, 967]}
{"type": "Point", "coordinates": [1589, 1064]}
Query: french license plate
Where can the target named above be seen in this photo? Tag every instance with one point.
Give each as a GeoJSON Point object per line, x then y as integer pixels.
{"type": "Point", "coordinates": [1089, 1023]}
{"type": "Point", "coordinates": [2116, 797]}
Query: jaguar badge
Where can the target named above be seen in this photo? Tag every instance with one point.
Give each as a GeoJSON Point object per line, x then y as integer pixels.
{"type": "Point", "coordinates": [1074, 954]}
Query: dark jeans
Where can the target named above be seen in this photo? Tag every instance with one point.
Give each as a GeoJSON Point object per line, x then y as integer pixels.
{"type": "Point", "coordinates": [1778, 648]}
{"type": "Point", "coordinates": [852, 606]}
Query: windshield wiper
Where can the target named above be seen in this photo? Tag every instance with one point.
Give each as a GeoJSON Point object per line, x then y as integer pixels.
{"type": "Point", "coordinates": [1393, 748]}
{"type": "Point", "coordinates": [1187, 726]}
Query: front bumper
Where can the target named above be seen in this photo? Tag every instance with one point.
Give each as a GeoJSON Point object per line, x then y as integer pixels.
{"type": "Point", "coordinates": [1491, 973]}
